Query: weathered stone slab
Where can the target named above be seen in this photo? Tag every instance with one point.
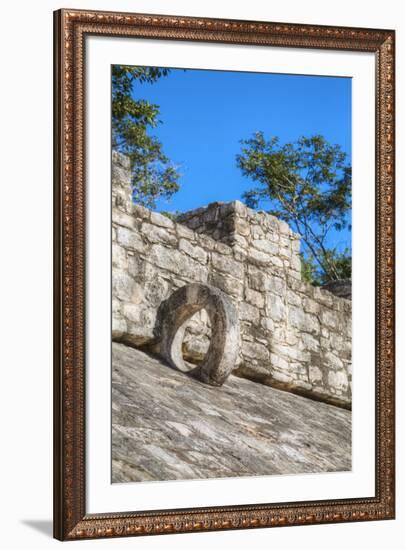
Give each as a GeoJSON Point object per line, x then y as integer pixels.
{"type": "Point", "coordinates": [167, 425]}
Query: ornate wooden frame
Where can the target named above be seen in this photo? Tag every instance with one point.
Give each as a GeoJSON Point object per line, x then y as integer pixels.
{"type": "Point", "coordinates": [70, 518]}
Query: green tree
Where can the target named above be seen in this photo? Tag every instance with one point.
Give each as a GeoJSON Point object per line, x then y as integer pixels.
{"type": "Point", "coordinates": [153, 174]}
{"type": "Point", "coordinates": [307, 183]}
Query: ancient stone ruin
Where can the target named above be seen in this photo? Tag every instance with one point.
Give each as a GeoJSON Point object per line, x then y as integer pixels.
{"type": "Point", "coordinates": [240, 274]}
{"type": "Point", "coordinates": [222, 354]}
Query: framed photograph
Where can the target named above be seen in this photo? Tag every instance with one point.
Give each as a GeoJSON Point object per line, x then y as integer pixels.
{"type": "Point", "coordinates": [224, 274]}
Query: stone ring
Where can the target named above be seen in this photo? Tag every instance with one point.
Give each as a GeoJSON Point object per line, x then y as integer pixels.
{"type": "Point", "coordinates": [222, 354]}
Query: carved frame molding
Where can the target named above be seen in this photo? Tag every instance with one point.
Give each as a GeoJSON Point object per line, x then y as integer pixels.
{"type": "Point", "coordinates": [70, 518]}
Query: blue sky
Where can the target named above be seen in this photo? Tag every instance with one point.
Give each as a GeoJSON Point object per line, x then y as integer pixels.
{"type": "Point", "coordinates": [206, 113]}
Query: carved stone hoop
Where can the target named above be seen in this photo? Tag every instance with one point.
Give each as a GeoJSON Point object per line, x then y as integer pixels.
{"type": "Point", "coordinates": [222, 354]}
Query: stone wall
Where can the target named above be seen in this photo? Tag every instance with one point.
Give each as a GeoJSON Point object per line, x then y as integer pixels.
{"type": "Point", "coordinates": [293, 336]}
{"type": "Point", "coordinates": [255, 237]}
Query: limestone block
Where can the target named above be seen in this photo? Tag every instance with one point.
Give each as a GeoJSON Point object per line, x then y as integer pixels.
{"type": "Point", "coordinates": [194, 251]}
{"type": "Point", "coordinates": [132, 312]}
{"type": "Point", "coordinates": [275, 307]}
{"type": "Point", "coordinates": [122, 284]}
{"type": "Point", "coordinates": [284, 228]}
{"type": "Point", "coordinates": [242, 227]}
{"type": "Point", "coordinates": [279, 362]}
{"type": "Point", "coordinates": [192, 222]}
{"type": "Point", "coordinates": [315, 374]}
{"type": "Point", "coordinates": [290, 352]}
{"type": "Point", "coordinates": [136, 267]}
{"type": "Point", "coordinates": [122, 201]}
{"type": "Point", "coordinates": [239, 208]}
{"type": "Point", "coordinates": [157, 234]}
{"type": "Point", "coordinates": [325, 332]}
{"type": "Point", "coordinates": [309, 342]}
{"type": "Point", "coordinates": [348, 328]}
{"type": "Point", "coordinates": [263, 281]}
{"type": "Point", "coordinates": [123, 219]}
{"type": "Point", "coordinates": [338, 380]}
{"type": "Point", "coordinates": [259, 258]}
{"type": "Point", "coordinates": [323, 297]}
{"type": "Point", "coordinates": [276, 261]}
{"type": "Point", "coordinates": [265, 246]}
{"type": "Point", "coordinates": [325, 343]}
{"type": "Point", "coordinates": [227, 265]}
{"type": "Point", "coordinates": [222, 248]}
{"type": "Point", "coordinates": [156, 290]}
{"type": "Point", "coordinates": [161, 220]}
{"type": "Point", "coordinates": [140, 212]}
{"type": "Point", "coordinates": [239, 253]}
{"type": "Point", "coordinates": [256, 232]}
{"type": "Point", "coordinates": [185, 232]}
{"type": "Point", "coordinates": [130, 239]}
{"type": "Point", "coordinates": [227, 283]}
{"type": "Point", "coordinates": [311, 306]}
{"type": "Point", "coordinates": [292, 337]}
{"type": "Point", "coordinates": [255, 351]}
{"type": "Point", "coordinates": [296, 317]}
{"type": "Point", "coordinates": [177, 262]}
{"type": "Point", "coordinates": [195, 348]}
{"type": "Point", "coordinates": [336, 341]}
{"type": "Point", "coordinates": [295, 245]}
{"type": "Point", "coordinates": [293, 298]}
{"type": "Point", "coordinates": [329, 319]}
{"type": "Point", "coordinates": [296, 263]}
{"type": "Point", "coordinates": [241, 241]}
{"type": "Point", "coordinates": [116, 307]}
{"type": "Point", "coordinates": [285, 252]}
{"type": "Point", "coordinates": [295, 274]}
{"type": "Point", "coordinates": [333, 360]}
{"type": "Point", "coordinates": [247, 312]}
{"type": "Point", "coordinates": [119, 328]}
{"type": "Point", "coordinates": [119, 257]}
{"type": "Point", "coordinates": [255, 298]}
{"type": "Point", "coordinates": [282, 377]}
{"type": "Point", "coordinates": [205, 241]}
{"type": "Point", "coordinates": [267, 323]}
{"type": "Point", "coordinates": [303, 321]}
{"type": "Point", "coordinates": [312, 324]}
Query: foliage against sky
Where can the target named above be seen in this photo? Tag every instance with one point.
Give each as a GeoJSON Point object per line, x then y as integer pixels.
{"type": "Point", "coordinates": [153, 174]}
{"type": "Point", "coordinates": [306, 183]}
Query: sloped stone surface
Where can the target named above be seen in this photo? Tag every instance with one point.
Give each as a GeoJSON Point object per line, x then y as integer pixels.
{"type": "Point", "coordinates": [168, 425]}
